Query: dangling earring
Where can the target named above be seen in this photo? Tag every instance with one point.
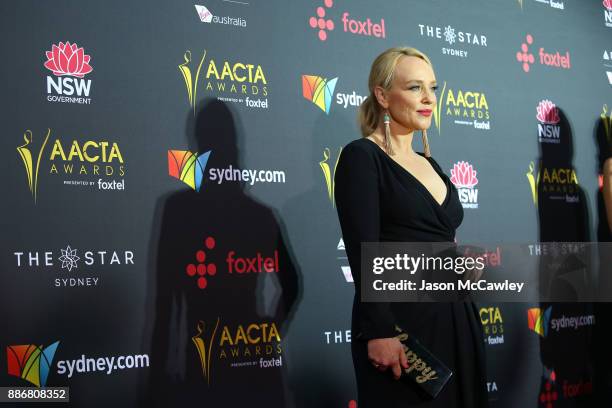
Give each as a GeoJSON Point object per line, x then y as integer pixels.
{"type": "Point", "coordinates": [387, 140]}
{"type": "Point", "coordinates": [426, 150]}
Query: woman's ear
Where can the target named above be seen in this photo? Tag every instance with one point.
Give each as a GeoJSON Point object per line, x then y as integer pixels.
{"type": "Point", "coordinates": [381, 97]}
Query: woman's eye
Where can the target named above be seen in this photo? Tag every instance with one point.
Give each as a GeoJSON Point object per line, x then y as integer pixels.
{"type": "Point", "coordinates": [415, 88]}
{"type": "Point", "coordinates": [434, 88]}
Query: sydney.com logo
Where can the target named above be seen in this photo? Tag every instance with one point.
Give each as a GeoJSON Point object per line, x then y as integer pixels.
{"type": "Point", "coordinates": [190, 168]}
{"type": "Point", "coordinates": [33, 363]}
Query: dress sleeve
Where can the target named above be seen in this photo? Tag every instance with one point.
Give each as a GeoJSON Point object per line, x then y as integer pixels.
{"type": "Point", "coordinates": [357, 201]}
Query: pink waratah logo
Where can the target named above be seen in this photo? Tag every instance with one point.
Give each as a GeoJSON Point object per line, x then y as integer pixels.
{"type": "Point", "coordinates": [319, 22]}
{"type": "Point", "coordinates": [548, 112]}
{"type": "Point", "coordinates": [68, 59]}
{"type": "Point", "coordinates": [607, 4]}
{"type": "Point", "coordinates": [463, 175]}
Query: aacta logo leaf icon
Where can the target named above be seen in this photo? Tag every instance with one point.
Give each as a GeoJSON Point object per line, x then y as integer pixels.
{"type": "Point", "coordinates": [608, 4]}
{"type": "Point", "coordinates": [548, 112]}
{"type": "Point", "coordinates": [463, 175]}
{"type": "Point", "coordinates": [68, 59]}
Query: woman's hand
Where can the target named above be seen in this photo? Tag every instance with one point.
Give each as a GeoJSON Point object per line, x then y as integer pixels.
{"type": "Point", "coordinates": [387, 353]}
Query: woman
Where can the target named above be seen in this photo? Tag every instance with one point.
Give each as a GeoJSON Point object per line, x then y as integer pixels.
{"type": "Point", "coordinates": [386, 192]}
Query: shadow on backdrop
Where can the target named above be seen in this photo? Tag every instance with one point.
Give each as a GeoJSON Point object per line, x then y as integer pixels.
{"type": "Point", "coordinates": [223, 282]}
{"type": "Point", "coordinates": [311, 385]}
{"type": "Point", "coordinates": [602, 353]}
{"type": "Point", "coordinates": [567, 376]}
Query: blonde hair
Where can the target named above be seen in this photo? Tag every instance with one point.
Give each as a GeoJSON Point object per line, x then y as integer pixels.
{"type": "Point", "coordinates": [381, 74]}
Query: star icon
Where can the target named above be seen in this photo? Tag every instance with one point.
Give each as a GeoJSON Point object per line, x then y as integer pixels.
{"type": "Point", "coordinates": [69, 258]}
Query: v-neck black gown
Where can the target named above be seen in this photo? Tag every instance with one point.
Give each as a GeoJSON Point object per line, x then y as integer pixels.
{"type": "Point", "coordinates": [380, 201]}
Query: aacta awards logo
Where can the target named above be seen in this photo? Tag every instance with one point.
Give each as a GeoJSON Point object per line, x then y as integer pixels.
{"type": "Point", "coordinates": [320, 91]}
{"type": "Point", "coordinates": [608, 12]}
{"type": "Point", "coordinates": [235, 265]}
{"type": "Point", "coordinates": [492, 325]}
{"type": "Point", "coordinates": [328, 167]}
{"type": "Point", "coordinates": [77, 268]}
{"type": "Point", "coordinates": [455, 38]}
{"type": "Point", "coordinates": [555, 59]}
{"type": "Point", "coordinates": [555, 183]}
{"type": "Point", "coordinates": [463, 176]}
{"type": "Point", "coordinates": [69, 65]}
{"type": "Point", "coordinates": [549, 130]}
{"type": "Point", "coordinates": [324, 25]}
{"type": "Point", "coordinates": [78, 162]}
{"type": "Point", "coordinates": [232, 81]}
{"type": "Point", "coordinates": [465, 107]}
{"type": "Point", "coordinates": [31, 362]}
{"type": "Point", "coordinates": [254, 344]}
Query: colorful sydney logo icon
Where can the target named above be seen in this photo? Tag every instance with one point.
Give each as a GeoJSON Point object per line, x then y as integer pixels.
{"type": "Point", "coordinates": [31, 362]}
{"type": "Point", "coordinates": [188, 167]}
{"type": "Point", "coordinates": [538, 320]}
{"type": "Point", "coordinates": [319, 91]}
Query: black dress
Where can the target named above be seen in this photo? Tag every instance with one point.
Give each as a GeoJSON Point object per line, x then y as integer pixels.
{"type": "Point", "coordinates": [380, 201]}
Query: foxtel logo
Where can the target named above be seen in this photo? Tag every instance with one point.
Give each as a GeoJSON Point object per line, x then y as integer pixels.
{"type": "Point", "coordinates": [556, 60]}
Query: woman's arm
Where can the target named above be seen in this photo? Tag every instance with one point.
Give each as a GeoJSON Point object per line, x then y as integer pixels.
{"type": "Point", "coordinates": [357, 201]}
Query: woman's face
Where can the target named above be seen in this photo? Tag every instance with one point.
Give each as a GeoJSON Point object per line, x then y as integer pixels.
{"type": "Point", "coordinates": [412, 98]}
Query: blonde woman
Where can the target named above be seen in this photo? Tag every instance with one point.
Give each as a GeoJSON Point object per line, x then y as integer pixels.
{"type": "Point", "coordinates": [387, 192]}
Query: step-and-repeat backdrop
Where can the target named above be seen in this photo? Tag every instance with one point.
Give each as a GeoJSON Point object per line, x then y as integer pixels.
{"type": "Point", "coordinates": [169, 234]}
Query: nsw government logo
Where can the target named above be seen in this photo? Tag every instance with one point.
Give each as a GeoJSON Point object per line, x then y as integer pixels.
{"type": "Point", "coordinates": [608, 12]}
{"type": "Point", "coordinates": [69, 65]}
{"type": "Point", "coordinates": [549, 130]}
{"type": "Point", "coordinates": [463, 176]}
